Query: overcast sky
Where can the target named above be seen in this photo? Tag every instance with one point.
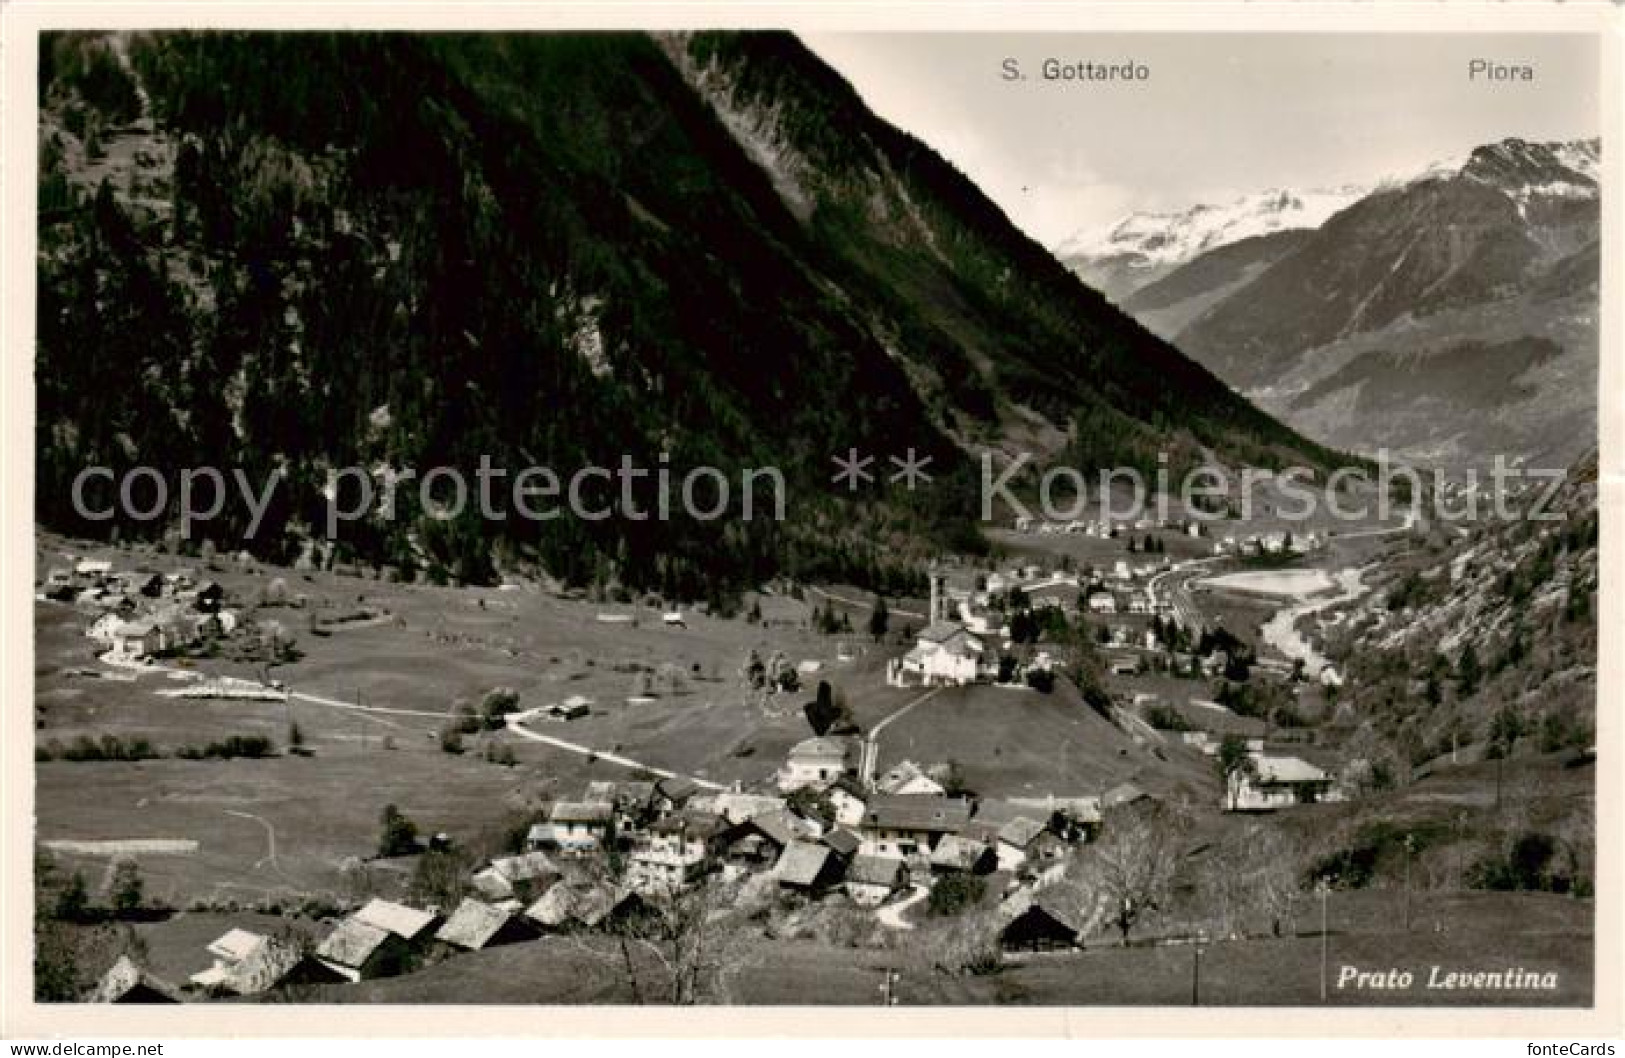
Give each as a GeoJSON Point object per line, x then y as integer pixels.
{"type": "Point", "coordinates": [1220, 115]}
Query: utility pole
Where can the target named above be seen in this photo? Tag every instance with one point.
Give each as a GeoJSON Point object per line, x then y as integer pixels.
{"type": "Point", "coordinates": [888, 988]}
{"type": "Point", "coordinates": [1325, 889]}
{"type": "Point", "coordinates": [1410, 849]}
{"type": "Point", "coordinates": [1196, 969]}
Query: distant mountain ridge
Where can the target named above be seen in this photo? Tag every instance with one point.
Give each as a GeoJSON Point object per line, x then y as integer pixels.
{"type": "Point", "coordinates": [1145, 246]}
{"type": "Point", "coordinates": [1364, 330]}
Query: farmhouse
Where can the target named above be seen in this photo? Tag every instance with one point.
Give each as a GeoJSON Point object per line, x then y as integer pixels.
{"type": "Point", "coordinates": [150, 585]}
{"type": "Point", "coordinates": [906, 777]}
{"type": "Point", "coordinates": [1039, 928]}
{"type": "Point", "coordinates": [871, 880]}
{"type": "Point", "coordinates": [475, 926]}
{"type": "Point", "coordinates": [633, 800]}
{"type": "Point", "coordinates": [506, 876]}
{"type": "Point", "coordinates": [247, 963]}
{"type": "Point", "coordinates": [816, 762]}
{"type": "Point", "coordinates": [1278, 782]}
{"type": "Point", "coordinates": [843, 842]}
{"type": "Point", "coordinates": [357, 951]}
{"type": "Point", "coordinates": [93, 570]}
{"type": "Point", "coordinates": [408, 923]}
{"type": "Point", "coordinates": [208, 596]}
{"type": "Point", "coordinates": [575, 827]}
{"type": "Point", "coordinates": [105, 628]}
{"type": "Point", "coordinates": [809, 868]}
{"type": "Point", "coordinates": [910, 825]}
{"type": "Point", "coordinates": [572, 708]}
{"type": "Point", "coordinates": [125, 982]}
{"type": "Point", "coordinates": [672, 793]}
{"type": "Point", "coordinates": [958, 854]}
{"type": "Point", "coordinates": [566, 905]}
{"type": "Point", "coordinates": [136, 639]}
{"type": "Point", "coordinates": [1023, 840]}
{"type": "Point", "coordinates": [735, 807]}
{"type": "Point", "coordinates": [758, 841]}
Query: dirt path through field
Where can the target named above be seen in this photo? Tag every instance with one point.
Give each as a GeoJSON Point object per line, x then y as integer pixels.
{"type": "Point", "coordinates": [516, 726]}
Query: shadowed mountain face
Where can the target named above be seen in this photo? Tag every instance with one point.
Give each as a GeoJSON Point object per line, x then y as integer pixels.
{"type": "Point", "coordinates": [311, 250]}
{"type": "Point", "coordinates": [1381, 327]}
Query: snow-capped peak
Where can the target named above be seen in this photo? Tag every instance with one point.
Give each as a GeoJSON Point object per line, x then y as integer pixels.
{"type": "Point", "coordinates": [1174, 237]}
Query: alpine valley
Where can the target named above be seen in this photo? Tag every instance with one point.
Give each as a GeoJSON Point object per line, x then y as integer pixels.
{"type": "Point", "coordinates": [1449, 317]}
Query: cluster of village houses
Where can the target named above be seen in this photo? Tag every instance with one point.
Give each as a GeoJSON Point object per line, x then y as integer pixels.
{"type": "Point", "coordinates": [1276, 542]}
{"type": "Point", "coordinates": [142, 614]}
{"type": "Point", "coordinates": [875, 838]}
{"type": "Point", "coordinates": [967, 628]}
{"type": "Point", "coordinates": [889, 835]}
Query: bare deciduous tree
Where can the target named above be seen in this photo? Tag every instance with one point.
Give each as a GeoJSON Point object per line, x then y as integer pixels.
{"type": "Point", "coordinates": [1133, 865]}
{"type": "Point", "coordinates": [683, 947]}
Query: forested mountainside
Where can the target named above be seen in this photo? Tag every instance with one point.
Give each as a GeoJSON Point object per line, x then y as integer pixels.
{"type": "Point", "coordinates": [1484, 640]}
{"type": "Point", "coordinates": [305, 251]}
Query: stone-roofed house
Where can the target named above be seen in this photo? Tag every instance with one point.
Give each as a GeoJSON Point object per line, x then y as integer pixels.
{"type": "Point", "coordinates": [909, 825]}
{"type": "Point", "coordinates": [906, 777]}
{"type": "Point", "coordinates": [411, 924]}
{"type": "Point", "coordinates": [958, 854]}
{"type": "Point", "coordinates": [871, 880]}
{"type": "Point", "coordinates": [844, 842]}
{"type": "Point", "coordinates": [358, 951]}
{"type": "Point", "coordinates": [673, 792]}
{"type": "Point", "coordinates": [1039, 927]}
{"type": "Point", "coordinates": [126, 982]}
{"type": "Point", "coordinates": [569, 905]}
{"type": "Point", "coordinates": [509, 876]}
{"type": "Point", "coordinates": [809, 868]}
{"type": "Point", "coordinates": [476, 925]}
{"type": "Point", "coordinates": [758, 841]}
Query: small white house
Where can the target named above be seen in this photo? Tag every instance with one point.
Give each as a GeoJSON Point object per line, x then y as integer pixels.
{"type": "Point", "coordinates": [137, 639]}
{"type": "Point", "coordinates": [815, 762]}
{"type": "Point", "coordinates": [906, 777]}
{"type": "Point", "coordinates": [946, 654]}
{"type": "Point", "coordinates": [1277, 782]}
{"type": "Point", "coordinates": [105, 628]}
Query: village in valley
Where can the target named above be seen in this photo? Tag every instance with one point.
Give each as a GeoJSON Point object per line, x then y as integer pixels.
{"type": "Point", "coordinates": [323, 784]}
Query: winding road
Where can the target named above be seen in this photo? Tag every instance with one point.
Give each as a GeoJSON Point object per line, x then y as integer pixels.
{"type": "Point", "coordinates": [891, 916]}
{"type": "Point", "coordinates": [515, 723]}
{"type": "Point", "coordinates": [516, 726]}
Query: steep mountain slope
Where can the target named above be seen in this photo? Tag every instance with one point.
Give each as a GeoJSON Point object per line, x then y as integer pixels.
{"type": "Point", "coordinates": [1500, 618]}
{"type": "Point", "coordinates": [1367, 332]}
{"type": "Point", "coordinates": [295, 252]}
{"type": "Point", "coordinates": [1143, 247]}
{"type": "Point", "coordinates": [1168, 305]}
